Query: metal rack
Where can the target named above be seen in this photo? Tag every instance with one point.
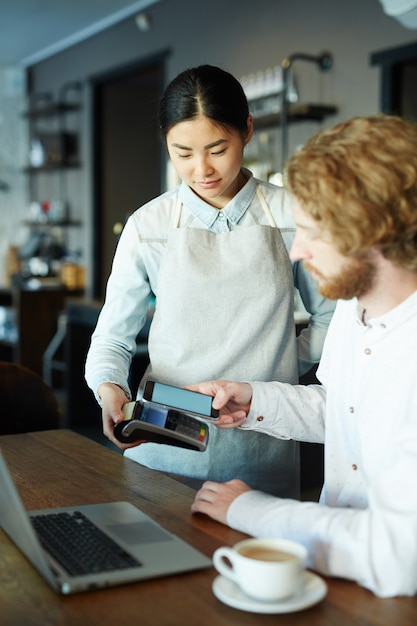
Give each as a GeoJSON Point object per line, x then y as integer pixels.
{"type": "Point", "coordinates": [324, 62]}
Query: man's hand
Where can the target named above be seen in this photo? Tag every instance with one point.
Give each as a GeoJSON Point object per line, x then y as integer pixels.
{"type": "Point", "coordinates": [232, 399]}
{"type": "Point", "coordinates": [214, 499]}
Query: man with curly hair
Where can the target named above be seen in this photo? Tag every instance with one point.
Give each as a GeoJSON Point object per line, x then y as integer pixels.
{"type": "Point", "coordinates": [355, 206]}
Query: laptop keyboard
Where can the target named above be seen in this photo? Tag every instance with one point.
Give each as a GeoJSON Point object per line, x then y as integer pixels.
{"type": "Point", "coordinates": [78, 545]}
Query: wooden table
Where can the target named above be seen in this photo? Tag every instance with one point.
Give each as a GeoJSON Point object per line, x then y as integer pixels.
{"type": "Point", "coordinates": [60, 468]}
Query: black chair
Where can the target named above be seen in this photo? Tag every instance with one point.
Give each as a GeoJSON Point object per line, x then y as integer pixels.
{"type": "Point", "coordinates": [27, 403]}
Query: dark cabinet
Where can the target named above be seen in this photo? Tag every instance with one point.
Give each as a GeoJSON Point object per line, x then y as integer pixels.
{"type": "Point", "coordinates": [32, 322]}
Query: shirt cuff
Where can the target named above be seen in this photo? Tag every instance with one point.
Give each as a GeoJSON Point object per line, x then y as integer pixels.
{"type": "Point", "coordinates": [263, 401]}
{"type": "Point", "coordinates": [243, 514]}
{"type": "Point", "coordinates": [109, 378]}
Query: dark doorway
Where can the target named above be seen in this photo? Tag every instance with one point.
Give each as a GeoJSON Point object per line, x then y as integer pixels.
{"type": "Point", "coordinates": [398, 80]}
{"type": "Point", "coordinates": [127, 154]}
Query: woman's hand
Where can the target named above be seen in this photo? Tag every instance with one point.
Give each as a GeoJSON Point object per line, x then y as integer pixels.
{"type": "Point", "coordinates": [113, 399]}
{"type": "Point", "coordinates": [232, 399]}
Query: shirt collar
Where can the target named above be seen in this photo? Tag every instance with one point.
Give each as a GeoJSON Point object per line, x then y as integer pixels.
{"type": "Point", "coordinates": [233, 211]}
{"type": "Point", "coordinates": [397, 316]}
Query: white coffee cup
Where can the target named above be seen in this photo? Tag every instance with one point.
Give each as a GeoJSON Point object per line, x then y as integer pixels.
{"type": "Point", "coordinates": [266, 569]}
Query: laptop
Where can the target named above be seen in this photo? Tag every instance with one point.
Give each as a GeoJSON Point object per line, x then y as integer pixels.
{"type": "Point", "coordinates": [143, 548]}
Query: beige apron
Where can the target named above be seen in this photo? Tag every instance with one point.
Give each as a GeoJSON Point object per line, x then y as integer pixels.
{"type": "Point", "coordinates": [224, 309]}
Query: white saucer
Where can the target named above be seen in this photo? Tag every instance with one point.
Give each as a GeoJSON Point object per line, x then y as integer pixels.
{"type": "Point", "coordinates": [313, 590]}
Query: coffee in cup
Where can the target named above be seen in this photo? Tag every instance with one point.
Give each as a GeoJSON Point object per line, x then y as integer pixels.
{"type": "Point", "coordinates": [265, 569]}
{"type": "Point", "coordinates": [266, 554]}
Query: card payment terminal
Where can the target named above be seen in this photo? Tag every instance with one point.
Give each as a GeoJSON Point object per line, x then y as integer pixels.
{"type": "Point", "coordinates": [153, 422]}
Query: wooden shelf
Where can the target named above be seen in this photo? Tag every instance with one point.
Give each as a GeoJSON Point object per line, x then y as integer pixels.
{"type": "Point", "coordinates": [297, 113]}
{"type": "Point", "coordinates": [51, 110]}
{"type": "Point", "coordinates": [60, 145]}
{"type": "Point", "coordinates": [52, 167]}
{"type": "Point", "coordinates": [50, 224]}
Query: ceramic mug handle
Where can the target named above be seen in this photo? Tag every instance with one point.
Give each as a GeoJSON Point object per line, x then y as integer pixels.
{"type": "Point", "coordinates": [220, 564]}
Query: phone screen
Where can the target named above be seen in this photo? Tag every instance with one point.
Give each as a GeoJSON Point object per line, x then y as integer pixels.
{"type": "Point", "coordinates": [182, 399]}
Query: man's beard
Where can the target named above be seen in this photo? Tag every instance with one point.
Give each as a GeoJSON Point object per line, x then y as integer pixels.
{"type": "Point", "coordinates": [355, 280]}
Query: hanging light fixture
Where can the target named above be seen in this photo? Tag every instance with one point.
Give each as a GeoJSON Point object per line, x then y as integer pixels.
{"type": "Point", "coordinates": [405, 11]}
{"type": "Point", "coordinates": [324, 61]}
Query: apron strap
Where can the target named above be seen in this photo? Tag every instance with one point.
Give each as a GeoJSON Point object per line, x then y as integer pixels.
{"type": "Point", "coordinates": [177, 214]}
{"type": "Point", "coordinates": [265, 207]}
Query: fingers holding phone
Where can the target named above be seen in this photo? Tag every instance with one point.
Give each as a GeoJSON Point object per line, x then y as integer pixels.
{"type": "Point", "coordinates": [182, 399]}
{"type": "Point", "coordinates": [232, 400]}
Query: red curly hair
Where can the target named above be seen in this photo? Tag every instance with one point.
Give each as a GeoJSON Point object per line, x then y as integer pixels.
{"type": "Point", "coordinates": [359, 180]}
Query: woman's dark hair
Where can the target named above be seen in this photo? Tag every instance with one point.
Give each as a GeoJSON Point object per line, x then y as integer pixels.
{"type": "Point", "coordinates": [204, 90]}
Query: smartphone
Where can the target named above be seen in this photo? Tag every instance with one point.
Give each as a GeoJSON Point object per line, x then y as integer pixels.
{"type": "Point", "coordinates": [190, 402]}
{"type": "Point", "coordinates": [160, 424]}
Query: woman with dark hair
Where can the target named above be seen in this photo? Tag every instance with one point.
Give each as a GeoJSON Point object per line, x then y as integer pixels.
{"type": "Point", "coordinates": [214, 252]}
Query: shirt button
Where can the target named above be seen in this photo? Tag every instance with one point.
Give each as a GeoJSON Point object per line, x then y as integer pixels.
{"type": "Point", "coordinates": [221, 215]}
{"type": "Point", "coordinates": [354, 467]}
{"type": "Point", "coordinates": [352, 409]}
{"type": "Point", "coordinates": [260, 418]}
{"type": "Point", "coordinates": [368, 350]}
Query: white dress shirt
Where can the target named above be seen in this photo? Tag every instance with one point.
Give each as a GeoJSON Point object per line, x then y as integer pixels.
{"type": "Point", "coordinates": [365, 526]}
